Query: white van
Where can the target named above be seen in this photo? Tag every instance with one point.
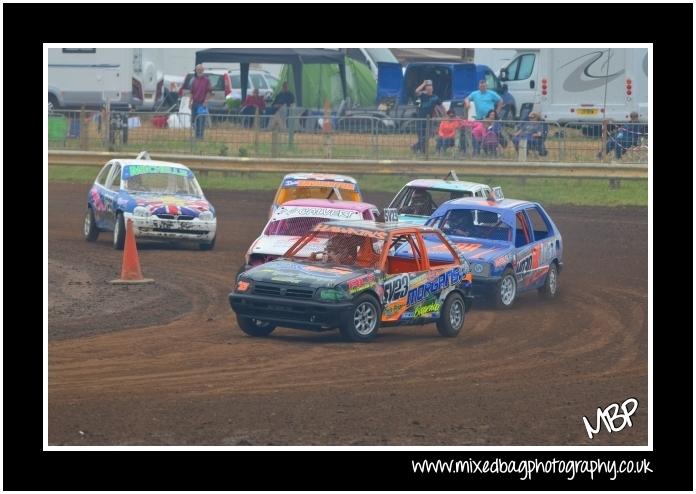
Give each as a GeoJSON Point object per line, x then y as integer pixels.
{"type": "Point", "coordinates": [580, 84]}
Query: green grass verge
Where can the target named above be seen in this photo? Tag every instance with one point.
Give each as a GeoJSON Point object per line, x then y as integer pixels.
{"type": "Point", "coordinates": [581, 192]}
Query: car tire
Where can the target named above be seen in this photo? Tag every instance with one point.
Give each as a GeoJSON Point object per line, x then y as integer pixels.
{"type": "Point", "coordinates": [363, 322]}
{"type": "Point", "coordinates": [451, 319]}
{"type": "Point", "coordinates": [550, 288]}
{"type": "Point", "coordinates": [119, 232]}
{"type": "Point", "coordinates": [90, 229]}
{"type": "Point", "coordinates": [207, 245]}
{"type": "Point", "coordinates": [506, 290]}
{"type": "Point", "coordinates": [254, 327]}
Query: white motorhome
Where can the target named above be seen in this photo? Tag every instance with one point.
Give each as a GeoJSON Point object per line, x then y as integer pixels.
{"type": "Point", "coordinates": [579, 84]}
{"type": "Point", "coordinates": [92, 77]}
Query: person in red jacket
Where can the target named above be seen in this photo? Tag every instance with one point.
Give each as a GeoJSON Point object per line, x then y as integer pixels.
{"type": "Point", "coordinates": [447, 131]}
{"type": "Point", "coordinates": [251, 103]}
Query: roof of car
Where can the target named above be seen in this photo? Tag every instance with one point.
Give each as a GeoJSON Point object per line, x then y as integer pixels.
{"type": "Point", "coordinates": [330, 203]}
{"type": "Point", "coordinates": [320, 176]}
{"type": "Point", "coordinates": [440, 184]}
{"type": "Point", "coordinates": [128, 162]}
{"type": "Point", "coordinates": [374, 226]}
{"type": "Point", "coordinates": [479, 202]}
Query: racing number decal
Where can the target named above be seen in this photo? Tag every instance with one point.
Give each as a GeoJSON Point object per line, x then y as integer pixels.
{"type": "Point", "coordinates": [395, 288]}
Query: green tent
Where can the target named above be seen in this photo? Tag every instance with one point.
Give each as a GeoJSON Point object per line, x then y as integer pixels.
{"type": "Point", "coordinates": [320, 82]}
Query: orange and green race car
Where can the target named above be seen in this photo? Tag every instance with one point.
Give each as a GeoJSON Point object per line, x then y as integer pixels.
{"type": "Point", "coordinates": [357, 276]}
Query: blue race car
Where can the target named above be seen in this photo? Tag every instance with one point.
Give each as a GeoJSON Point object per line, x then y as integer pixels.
{"type": "Point", "coordinates": [163, 199]}
{"type": "Point", "coordinates": [513, 246]}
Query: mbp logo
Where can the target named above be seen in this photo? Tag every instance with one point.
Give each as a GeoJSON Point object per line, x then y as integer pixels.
{"type": "Point", "coordinates": [610, 415]}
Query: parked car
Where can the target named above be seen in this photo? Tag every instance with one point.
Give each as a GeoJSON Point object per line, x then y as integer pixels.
{"type": "Point", "coordinates": [316, 186]}
{"type": "Point", "coordinates": [296, 218]}
{"type": "Point", "coordinates": [220, 81]}
{"type": "Point", "coordinates": [357, 276]}
{"type": "Point", "coordinates": [513, 246]}
{"type": "Point", "coordinates": [163, 199]}
{"type": "Point", "coordinates": [418, 199]}
{"type": "Point", "coordinates": [258, 79]}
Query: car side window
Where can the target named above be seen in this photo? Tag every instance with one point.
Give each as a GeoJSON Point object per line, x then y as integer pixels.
{"type": "Point", "coordinates": [101, 178]}
{"type": "Point", "coordinates": [540, 225]}
{"type": "Point", "coordinates": [522, 233]}
{"type": "Point", "coordinates": [114, 182]}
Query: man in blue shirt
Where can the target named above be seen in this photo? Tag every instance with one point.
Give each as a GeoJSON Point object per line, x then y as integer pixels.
{"type": "Point", "coordinates": [484, 100]}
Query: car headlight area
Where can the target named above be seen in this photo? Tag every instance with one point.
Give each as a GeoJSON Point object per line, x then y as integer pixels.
{"type": "Point", "coordinates": [206, 216]}
{"type": "Point", "coordinates": [141, 212]}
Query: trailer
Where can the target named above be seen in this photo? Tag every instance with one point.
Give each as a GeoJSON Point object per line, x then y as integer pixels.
{"type": "Point", "coordinates": [92, 77]}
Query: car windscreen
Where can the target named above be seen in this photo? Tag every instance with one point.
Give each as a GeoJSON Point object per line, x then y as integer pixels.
{"type": "Point", "coordinates": [349, 249]}
{"type": "Point", "coordinates": [423, 202]}
{"type": "Point", "coordinates": [476, 223]}
{"type": "Point", "coordinates": [293, 226]}
{"type": "Point", "coordinates": [161, 180]}
{"type": "Point", "coordinates": [318, 192]}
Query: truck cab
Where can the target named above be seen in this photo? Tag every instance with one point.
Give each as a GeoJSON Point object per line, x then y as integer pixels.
{"type": "Point", "coordinates": [451, 81]}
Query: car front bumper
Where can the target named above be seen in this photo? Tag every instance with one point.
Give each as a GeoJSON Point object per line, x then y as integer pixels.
{"type": "Point", "coordinates": [154, 228]}
{"type": "Point", "coordinates": [299, 314]}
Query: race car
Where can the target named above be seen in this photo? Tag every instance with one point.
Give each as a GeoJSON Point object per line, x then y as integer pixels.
{"type": "Point", "coordinates": [418, 199]}
{"type": "Point", "coordinates": [513, 246]}
{"type": "Point", "coordinates": [163, 199]}
{"type": "Point", "coordinates": [316, 186]}
{"type": "Point", "coordinates": [296, 218]}
{"type": "Point", "coordinates": [357, 276]}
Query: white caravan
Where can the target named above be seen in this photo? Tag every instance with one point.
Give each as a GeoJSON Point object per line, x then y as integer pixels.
{"type": "Point", "coordinates": [579, 84]}
{"type": "Point", "coordinates": [92, 77]}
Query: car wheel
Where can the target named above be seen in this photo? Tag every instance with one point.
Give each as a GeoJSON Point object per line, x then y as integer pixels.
{"type": "Point", "coordinates": [506, 290]}
{"type": "Point", "coordinates": [207, 245]}
{"type": "Point", "coordinates": [119, 232]}
{"type": "Point", "coordinates": [550, 288]}
{"type": "Point", "coordinates": [254, 327]}
{"type": "Point", "coordinates": [451, 316]}
{"type": "Point", "coordinates": [363, 322]}
{"type": "Point", "coordinates": [91, 231]}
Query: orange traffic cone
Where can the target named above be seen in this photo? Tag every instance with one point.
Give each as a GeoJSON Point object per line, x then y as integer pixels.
{"type": "Point", "coordinates": [130, 270]}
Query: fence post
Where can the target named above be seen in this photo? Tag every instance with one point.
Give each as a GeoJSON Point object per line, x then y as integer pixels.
{"type": "Point", "coordinates": [523, 150]}
{"type": "Point", "coordinates": [604, 138]}
{"type": "Point", "coordinates": [291, 129]}
{"type": "Point", "coordinates": [256, 131]}
{"type": "Point", "coordinates": [428, 127]}
{"type": "Point", "coordinates": [106, 119]}
{"type": "Point", "coordinates": [84, 131]}
{"type": "Point", "coordinates": [193, 125]}
{"type": "Point", "coordinates": [274, 142]}
{"type": "Point", "coordinates": [375, 137]}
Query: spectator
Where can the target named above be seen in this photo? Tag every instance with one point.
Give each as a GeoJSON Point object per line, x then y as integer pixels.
{"type": "Point", "coordinates": [447, 131]}
{"type": "Point", "coordinates": [626, 136]}
{"type": "Point", "coordinates": [484, 100]}
{"type": "Point", "coordinates": [507, 112]}
{"type": "Point", "coordinates": [171, 95]}
{"type": "Point", "coordinates": [201, 91]}
{"type": "Point", "coordinates": [251, 104]}
{"type": "Point", "coordinates": [428, 102]}
{"type": "Point", "coordinates": [533, 131]}
{"type": "Point", "coordinates": [283, 98]}
{"type": "Point", "coordinates": [486, 134]}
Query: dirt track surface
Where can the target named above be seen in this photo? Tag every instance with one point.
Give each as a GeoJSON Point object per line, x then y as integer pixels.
{"type": "Point", "coordinates": [166, 364]}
